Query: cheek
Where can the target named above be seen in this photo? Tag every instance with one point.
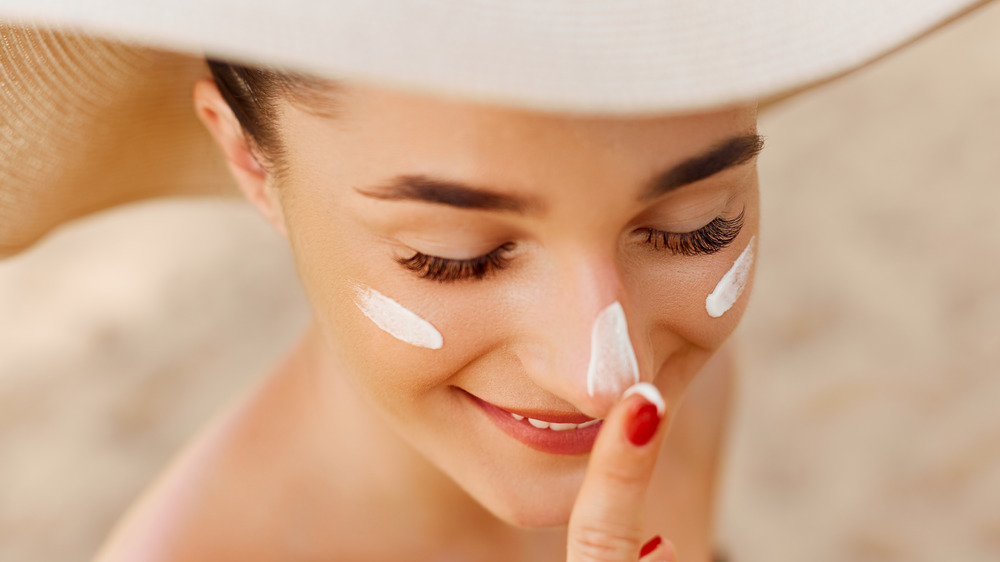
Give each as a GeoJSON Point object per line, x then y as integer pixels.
{"type": "Point", "coordinates": [390, 340]}
{"type": "Point", "coordinates": [382, 332]}
{"type": "Point", "coordinates": [695, 307]}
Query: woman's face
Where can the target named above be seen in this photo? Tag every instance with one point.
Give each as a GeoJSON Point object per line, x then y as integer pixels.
{"type": "Point", "coordinates": [508, 233]}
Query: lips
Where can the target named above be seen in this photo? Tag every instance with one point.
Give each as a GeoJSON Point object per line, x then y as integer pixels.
{"type": "Point", "coordinates": [549, 432]}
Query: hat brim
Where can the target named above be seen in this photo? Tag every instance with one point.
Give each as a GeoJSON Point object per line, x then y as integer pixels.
{"type": "Point", "coordinates": [89, 123]}
{"type": "Point", "coordinates": [628, 56]}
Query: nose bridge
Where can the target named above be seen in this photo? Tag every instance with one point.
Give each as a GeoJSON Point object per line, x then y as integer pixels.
{"type": "Point", "coordinates": [583, 348]}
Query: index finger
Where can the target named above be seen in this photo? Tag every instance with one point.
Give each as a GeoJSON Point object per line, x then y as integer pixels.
{"type": "Point", "coordinates": [606, 521]}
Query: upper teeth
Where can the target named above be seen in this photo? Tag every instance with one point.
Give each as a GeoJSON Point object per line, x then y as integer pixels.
{"type": "Point", "coordinates": [553, 425]}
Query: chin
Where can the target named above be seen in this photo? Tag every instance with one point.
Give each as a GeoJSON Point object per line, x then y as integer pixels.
{"type": "Point", "coordinates": [533, 514]}
{"type": "Point", "coordinates": [532, 502]}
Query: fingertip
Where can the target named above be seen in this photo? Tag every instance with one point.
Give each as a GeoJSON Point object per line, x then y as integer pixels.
{"type": "Point", "coordinates": [642, 418]}
{"type": "Point", "coordinates": [649, 392]}
{"type": "Point", "coordinates": [663, 551]}
{"type": "Point", "coordinates": [642, 423]}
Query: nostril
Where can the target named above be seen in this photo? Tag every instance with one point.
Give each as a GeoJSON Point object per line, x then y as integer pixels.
{"type": "Point", "coordinates": [613, 367]}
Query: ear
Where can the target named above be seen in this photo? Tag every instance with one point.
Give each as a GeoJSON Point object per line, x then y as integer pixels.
{"type": "Point", "coordinates": [250, 175]}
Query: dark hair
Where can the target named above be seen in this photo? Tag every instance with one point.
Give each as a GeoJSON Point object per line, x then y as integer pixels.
{"type": "Point", "coordinates": [253, 94]}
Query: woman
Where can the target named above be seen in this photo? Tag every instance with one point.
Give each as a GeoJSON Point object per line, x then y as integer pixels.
{"type": "Point", "coordinates": [471, 269]}
{"type": "Point", "coordinates": [489, 284]}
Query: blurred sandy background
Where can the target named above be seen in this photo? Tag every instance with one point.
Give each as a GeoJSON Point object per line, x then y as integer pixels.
{"type": "Point", "coordinates": [869, 423]}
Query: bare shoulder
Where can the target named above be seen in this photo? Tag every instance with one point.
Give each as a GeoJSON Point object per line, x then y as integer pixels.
{"type": "Point", "coordinates": [220, 498]}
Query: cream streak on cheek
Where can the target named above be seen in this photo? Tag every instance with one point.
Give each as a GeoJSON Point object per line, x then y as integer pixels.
{"type": "Point", "coordinates": [613, 367]}
{"type": "Point", "coordinates": [396, 320]}
{"type": "Point", "coordinates": [729, 289]}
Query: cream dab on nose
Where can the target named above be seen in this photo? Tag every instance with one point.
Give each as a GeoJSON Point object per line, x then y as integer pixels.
{"type": "Point", "coordinates": [396, 320]}
{"type": "Point", "coordinates": [731, 286]}
{"type": "Point", "coordinates": [613, 367]}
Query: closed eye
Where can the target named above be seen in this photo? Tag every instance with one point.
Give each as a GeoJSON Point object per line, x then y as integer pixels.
{"type": "Point", "coordinates": [446, 270]}
{"type": "Point", "coordinates": [708, 239]}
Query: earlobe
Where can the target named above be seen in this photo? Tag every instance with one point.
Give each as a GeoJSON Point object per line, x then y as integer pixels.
{"type": "Point", "coordinates": [252, 178]}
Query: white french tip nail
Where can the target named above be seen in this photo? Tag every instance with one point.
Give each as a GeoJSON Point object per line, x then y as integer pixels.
{"type": "Point", "coordinates": [649, 392]}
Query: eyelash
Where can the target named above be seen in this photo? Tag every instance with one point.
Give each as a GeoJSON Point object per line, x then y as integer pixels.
{"type": "Point", "coordinates": [708, 239]}
{"type": "Point", "coordinates": [445, 270]}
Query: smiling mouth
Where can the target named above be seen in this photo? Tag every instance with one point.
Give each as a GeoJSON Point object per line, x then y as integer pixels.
{"type": "Point", "coordinates": [554, 426]}
{"type": "Point", "coordinates": [549, 432]}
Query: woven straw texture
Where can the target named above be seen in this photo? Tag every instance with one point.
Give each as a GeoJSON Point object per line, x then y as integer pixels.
{"type": "Point", "coordinates": [582, 55]}
{"type": "Point", "coordinates": [87, 124]}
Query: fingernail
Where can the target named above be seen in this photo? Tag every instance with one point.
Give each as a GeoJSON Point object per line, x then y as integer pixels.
{"type": "Point", "coordinates": [642, 423]}
{"type": "Point", "coordinates": [649, 391]}
{"type": "Point", "coordinates": [650, 545]}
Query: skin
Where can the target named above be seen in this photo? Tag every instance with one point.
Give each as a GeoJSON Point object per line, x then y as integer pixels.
{"type": "Point", "coordinates": [360, 437]}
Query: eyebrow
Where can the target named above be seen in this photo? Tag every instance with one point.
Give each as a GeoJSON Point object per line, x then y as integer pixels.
{"type": "Point", "coordinates": [724, 155]}
{"type": "Point", "coordinates": [429, 190]}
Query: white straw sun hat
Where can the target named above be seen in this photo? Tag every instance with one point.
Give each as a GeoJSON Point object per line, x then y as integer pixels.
{"type": "Point", "coordinates": [95, 95]}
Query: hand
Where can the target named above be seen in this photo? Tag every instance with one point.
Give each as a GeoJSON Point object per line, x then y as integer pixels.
{"type": "Point", "coordinates": [606, 524]}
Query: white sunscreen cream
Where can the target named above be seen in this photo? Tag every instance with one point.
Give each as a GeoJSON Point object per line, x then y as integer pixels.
{"type": "Point", "coordinates": [613, 367]}
{"type": "Point", "coordinates": [732, 284]}
{"type": "Point", "coordinates": [396, 320]}
{"type": "Point", "coordinates": [648, 391]}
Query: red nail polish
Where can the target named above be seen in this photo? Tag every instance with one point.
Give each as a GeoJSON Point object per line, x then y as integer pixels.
{"type": "Point", "coordinates": [650, 546]}
{"type": "Point", "coordinates": [641, 425]}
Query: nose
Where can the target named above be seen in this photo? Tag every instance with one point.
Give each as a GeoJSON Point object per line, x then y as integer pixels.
{"type": "Point", "coordinates": [580, 347]}
{"type": "Point", "coordinates": [612, 367]}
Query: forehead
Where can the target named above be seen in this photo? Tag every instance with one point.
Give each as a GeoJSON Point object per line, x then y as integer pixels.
{"type": "Point", "coordinates": [440, 115]}
{"type": "Point", "coordinates": [375, 129]}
